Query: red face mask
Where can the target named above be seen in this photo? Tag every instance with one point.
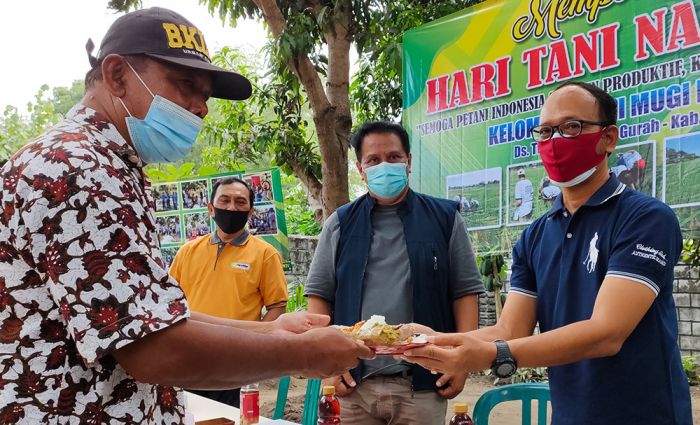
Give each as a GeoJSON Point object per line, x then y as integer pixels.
{"type": "Point", "coordinates": [570, 161]}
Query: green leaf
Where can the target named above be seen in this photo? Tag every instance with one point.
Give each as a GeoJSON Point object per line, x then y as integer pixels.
{"type": "Point", "coordinates": [157, 176]}
{"type": "Point", "coordinates": [207, 170]}
{"type": "Point", "coordinates": [185, 170]}
{"type": "Point", "coordinates": [172, 170]}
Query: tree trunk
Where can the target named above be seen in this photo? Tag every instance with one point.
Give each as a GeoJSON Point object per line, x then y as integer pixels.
{"type": "Point", "coordinates": [331, 109]}
{"type": "Point", "coordinates": [335, 160]}
{"type": "Point", "coordinates": [313, 187]}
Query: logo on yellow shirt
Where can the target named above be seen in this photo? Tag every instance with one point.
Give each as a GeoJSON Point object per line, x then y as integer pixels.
{"type": "Point", "coordinates": [241, 266]}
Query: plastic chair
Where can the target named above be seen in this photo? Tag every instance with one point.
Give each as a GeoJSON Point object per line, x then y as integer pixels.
{"type": "Point", "coordinates": [313, 390]}
{"type": "Point", "coordinates": [282, 391]}
{"type": "Point", "coordinates": [523, 392]}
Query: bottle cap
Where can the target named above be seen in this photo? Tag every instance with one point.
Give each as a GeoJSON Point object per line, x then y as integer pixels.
{"type": "Point", "coordinates": [461, 408]}
{"type": "Point", "coordinates": [328, 390]}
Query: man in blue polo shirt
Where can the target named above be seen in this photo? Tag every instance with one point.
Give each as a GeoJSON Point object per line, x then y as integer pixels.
{"type": "Point", "coordinates": [596, 272]}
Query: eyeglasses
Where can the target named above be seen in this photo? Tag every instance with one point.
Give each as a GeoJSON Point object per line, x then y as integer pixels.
{"type": "Point", "coordinates": [567, 129]}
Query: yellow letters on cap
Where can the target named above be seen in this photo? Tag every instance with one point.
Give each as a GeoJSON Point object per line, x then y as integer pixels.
{"type": "Point", "coordinates": [204, 43]}
{"type": "Point", "coordinates": [184, 36]}
{"type": "Point", "coordinates": [174, 36]}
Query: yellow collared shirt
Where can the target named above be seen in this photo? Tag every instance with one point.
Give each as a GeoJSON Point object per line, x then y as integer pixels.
{"type": "Point", "coordinates": [230, 280]}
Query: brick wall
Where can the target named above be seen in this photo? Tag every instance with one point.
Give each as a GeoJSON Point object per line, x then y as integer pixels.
{"type": "Point", "coordinates": [487, 310]}
{"type": "Point", "coordinates": [686, 289]}
{"type": "Point", "coordinates": [301, 252]}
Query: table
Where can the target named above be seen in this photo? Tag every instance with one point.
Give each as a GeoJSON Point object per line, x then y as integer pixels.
{"type": "Point", "coordinates": [201, 408]}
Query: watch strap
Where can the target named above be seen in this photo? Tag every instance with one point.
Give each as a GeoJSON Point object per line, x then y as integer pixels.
{"type": "Point", "coordinates": [503, 356]}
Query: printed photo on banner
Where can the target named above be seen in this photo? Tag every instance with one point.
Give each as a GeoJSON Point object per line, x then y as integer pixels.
{"type": "Point", "coordinates": [197, 224]}
{"type": "Point", "coordinates": [168, 228]}
{"type": "Point", "coordinates": [479, 196]}
{"type": "Point", "coordinates": [530, 193]}
{"type": "Point", "coordinates": [263, 221]}
{"type": "Point", "coordinates": [261, 185]}
{"type": "Point", "coordinates": [169, 255]}
{"type": "Point", "coordinates": [195, 194]}
{"type": "Point", "coordinates": [682, 170]}
{"type": "Point", "coordinates": [635, 166]}
{"type": "Point", "coordinates": [165, 197]}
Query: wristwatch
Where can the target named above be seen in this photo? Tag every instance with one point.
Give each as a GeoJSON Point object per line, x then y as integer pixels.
{"type": "Point", "coordinates": [505, 365]}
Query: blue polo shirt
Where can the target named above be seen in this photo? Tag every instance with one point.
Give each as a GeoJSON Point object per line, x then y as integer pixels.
{"type": "Point", "coordinates": [561, 260]}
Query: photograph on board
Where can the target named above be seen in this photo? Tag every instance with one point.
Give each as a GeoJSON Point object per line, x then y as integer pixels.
{"type": "Point", "coordinates": [261, 185]}
{"type": "Point", "coordinates": [168, 228]}
{"type": "Point", "coordinates": [197, 224]}
{"type": "Point", "coordinates": [479, 196]}
{"type": "Point", "coordinates": [682, 170]}
{"type": "Point", "coordinates": [195, 194]}
{"type": "Point", "coordinates": [263, 221]}
{"type": "Point", "coordinates": [635, 166]}
{"type": "Point", "coordinates": [169, 255]}
{"type": "Point", "coordinates": [530, 193]}
{"type": "Point", "coordinates": [165, 197]}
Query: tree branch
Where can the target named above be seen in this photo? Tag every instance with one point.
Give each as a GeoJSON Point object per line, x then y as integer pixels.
{"type": "Point", "coordinates": [300, 64]}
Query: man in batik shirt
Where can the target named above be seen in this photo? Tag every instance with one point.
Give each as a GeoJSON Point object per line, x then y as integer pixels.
{"type": "Point", "coordinates": [88, 314]}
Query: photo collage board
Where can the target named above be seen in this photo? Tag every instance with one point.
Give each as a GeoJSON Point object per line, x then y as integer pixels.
{"type": "Point", "coordinates": [182, 214]}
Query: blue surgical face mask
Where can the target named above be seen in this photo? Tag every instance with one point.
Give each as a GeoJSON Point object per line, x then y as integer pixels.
{"type": "Point", "coordinates": [166, 134]}
{"type": "Point", "coordinates": [387, 180]}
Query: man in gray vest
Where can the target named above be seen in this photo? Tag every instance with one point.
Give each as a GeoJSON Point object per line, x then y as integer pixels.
{"type": "Point", "coordinates": [403, 255]}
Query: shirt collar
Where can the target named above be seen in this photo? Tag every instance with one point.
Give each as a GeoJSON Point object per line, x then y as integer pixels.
{"type": "Point", "coordinates": [82, 114]}
{"type": "Point", "coordinates": [558, 205]}
{"type": "Point", "coordinates": [609, 190]}
{"type": "Point", "coordinates": [403, 207]}
{"type": "Point", "coordinates": [239, 241]}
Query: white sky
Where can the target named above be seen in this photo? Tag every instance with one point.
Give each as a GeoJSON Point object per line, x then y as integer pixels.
{"type": "Point", "coordinates": [45, 40]}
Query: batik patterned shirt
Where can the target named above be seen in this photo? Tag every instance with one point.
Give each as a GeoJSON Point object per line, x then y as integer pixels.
{"type": "Point", "coordinates": [81, 275]}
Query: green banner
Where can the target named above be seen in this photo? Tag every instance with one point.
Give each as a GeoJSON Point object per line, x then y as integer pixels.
{"type": "Point", "coordinates": [474, 83]}
{"type": "Point", "coordinates": [182, 215]}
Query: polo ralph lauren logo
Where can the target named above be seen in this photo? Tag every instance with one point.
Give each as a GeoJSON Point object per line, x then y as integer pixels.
{"type": "Point", "coordinates": [592, 257]}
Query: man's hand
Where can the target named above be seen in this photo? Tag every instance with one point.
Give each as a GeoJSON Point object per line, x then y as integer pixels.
{"type": "Point", "coordinates": [454, 385]}
{"type": "Point", "coordinates": [299, 322]}
{"type": "Point", "coordinates": [417, 328]}
{"type": "Point", "coordinates": [331, 353]}
{"type": "Point", "coordinates": [344, 384]}
{"type": "Point", "coordinates": [453, 354]}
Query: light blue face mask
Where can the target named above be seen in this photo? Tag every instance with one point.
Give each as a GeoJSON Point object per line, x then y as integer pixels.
{"type": "Point", "coordinates": [166, 134]}
{"type": "Point", "coordinates": [387, 180]}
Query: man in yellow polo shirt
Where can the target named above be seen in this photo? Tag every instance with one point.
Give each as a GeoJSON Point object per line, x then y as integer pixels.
{"type": "Point", "coordinates": [230, 273]}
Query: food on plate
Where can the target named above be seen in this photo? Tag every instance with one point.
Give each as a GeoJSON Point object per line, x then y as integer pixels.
{"type": "Point", "coordinates": [376, 332]}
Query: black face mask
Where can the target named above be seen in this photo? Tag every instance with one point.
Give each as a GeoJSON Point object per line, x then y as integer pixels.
{"type": "Point", "coordinates": [230, 221]}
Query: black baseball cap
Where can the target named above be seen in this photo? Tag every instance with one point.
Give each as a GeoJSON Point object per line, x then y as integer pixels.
{"type": "Point", "coordinates": [166, 35]}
